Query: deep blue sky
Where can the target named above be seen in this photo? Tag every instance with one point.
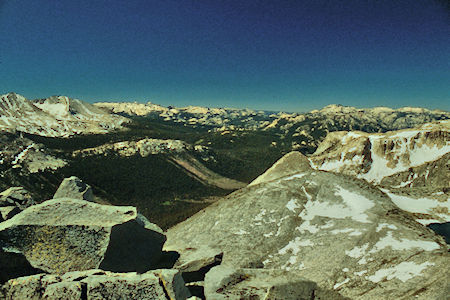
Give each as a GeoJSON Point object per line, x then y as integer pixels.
{"type": "Point", "coordinates": [277, 55]}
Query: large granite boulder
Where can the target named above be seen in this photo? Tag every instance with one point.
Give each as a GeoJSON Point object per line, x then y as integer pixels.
{"type": "Point", "coordinates": [62, 235]}
{"type": "Point", "coordinates": [97, 284]}
{"type": "Point", "coordinates": [74, 188]}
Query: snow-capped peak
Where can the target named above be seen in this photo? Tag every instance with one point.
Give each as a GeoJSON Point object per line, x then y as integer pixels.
{"type": "Point", "coordinates": [54, 116]}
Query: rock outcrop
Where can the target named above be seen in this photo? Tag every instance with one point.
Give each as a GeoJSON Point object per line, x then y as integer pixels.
{"type": "Point", "coordinates": [62, 235]}
{"type": "Point", "coordinates": [290, 164]}
{"type": "Point", "coordinates": [228, 283]}
{"type": "Point", "coordinates": [74, 188]}
{"type": "Point", "coordinates": [340, 232]}
{"type": "Point", "coordinates": [16, 196]}
{"type": "Point", "coordinates": [19, 152]}
{"type": "Point", "coordinates": [144, 148]}
{"type": "Point", "coordinates": [98, 284]}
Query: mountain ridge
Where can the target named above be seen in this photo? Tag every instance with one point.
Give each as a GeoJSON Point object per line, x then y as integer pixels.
{"type": "Point", "coordinates": [57, 116]}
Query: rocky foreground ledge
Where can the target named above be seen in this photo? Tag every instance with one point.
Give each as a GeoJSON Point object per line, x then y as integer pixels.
{"type": "Point", "coordinates": [98, 284]}
{"type": "Point", "coordinates": [294, 233]}
{"type": "Point", "coordinates": [72, 248]}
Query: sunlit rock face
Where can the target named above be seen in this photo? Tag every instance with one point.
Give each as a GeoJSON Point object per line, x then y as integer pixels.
{"type": "Point", "coordinates": [74, 188]}
{"type": "Point", "coordinates": [143, 147]}
{"type": "Point", "coordinates": [340, 232]}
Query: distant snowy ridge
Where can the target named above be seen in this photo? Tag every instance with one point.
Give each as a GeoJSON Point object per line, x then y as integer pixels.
{"type": "Point", "coordinates": [57, 116]}
{"type": "Point", "coordinates": [224, 118]}
{"type": "Point", "coordinates": [375, 156]}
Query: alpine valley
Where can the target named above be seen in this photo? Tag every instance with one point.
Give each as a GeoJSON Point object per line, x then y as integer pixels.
{"type": "Point", "coordinates": [141, 201]}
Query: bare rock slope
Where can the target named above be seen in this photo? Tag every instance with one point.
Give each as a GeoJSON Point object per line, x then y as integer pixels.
{"type": "Point", "coordinates": [21, 153]}
{"type": "Point", "coordinates": [342, 233]}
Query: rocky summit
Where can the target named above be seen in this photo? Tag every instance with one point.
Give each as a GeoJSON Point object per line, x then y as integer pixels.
{"type": "Point", "coordinates": [74, 188]}
{"type": "Point", "coordinates": [337, 231]}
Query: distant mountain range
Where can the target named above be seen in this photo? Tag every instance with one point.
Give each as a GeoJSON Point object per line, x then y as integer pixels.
{"type": "Point", "coordinates": [212, 151]}
{"type": "Point", "coordinates": [63, 116]}
{"type": "Point", "coordinates": [331, 117]}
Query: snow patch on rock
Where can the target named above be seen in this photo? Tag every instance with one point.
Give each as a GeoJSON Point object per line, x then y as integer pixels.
{"type": "Point", "coordinates": [292, 205]}
{"type": "Point", "coordinates": [403, 244]}
{"type": "Point", "coordinates": [422, 206]}
{"type": "Point", "coordinates": [403, 271]}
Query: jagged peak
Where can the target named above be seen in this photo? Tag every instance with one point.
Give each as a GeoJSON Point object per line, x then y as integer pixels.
{"type": "Point", "coordinates": [13, 95]}
{"type": "Point", "coordinates": [13, 104]}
